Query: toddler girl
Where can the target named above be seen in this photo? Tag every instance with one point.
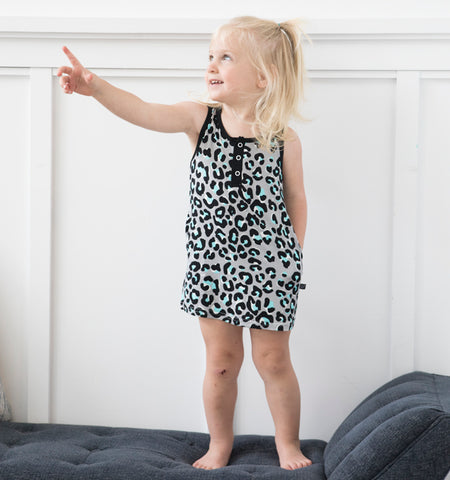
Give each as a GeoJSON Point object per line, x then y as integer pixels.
{"type": "Point", "coordinates": [247, 219]}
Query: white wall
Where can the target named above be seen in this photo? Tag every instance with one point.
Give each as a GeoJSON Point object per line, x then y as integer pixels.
{"type": "Point", "coordinates": [204, 9]}
{"type": "Point", "coordinates": [92, 224]}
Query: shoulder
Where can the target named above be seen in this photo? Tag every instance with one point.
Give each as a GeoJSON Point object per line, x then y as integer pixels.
{"type": "Point", "coordinates": [196, 115]}
{"type": "Point", "coordinates": [292, 147]}
{"type": "Point", "coordinates": [292, 166]}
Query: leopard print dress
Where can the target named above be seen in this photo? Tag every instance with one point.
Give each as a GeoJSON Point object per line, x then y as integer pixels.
{"type": "Point", "coordinates": [244, 261]}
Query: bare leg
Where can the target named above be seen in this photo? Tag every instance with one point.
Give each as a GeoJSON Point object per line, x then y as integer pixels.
{"type": "Point", "coordinates": [224, 356]}
{"type": "Point", "coordinates": [272, 359]}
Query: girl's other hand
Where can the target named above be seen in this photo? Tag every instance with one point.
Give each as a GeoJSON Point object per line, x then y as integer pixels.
{"type": "Point", "coordinates": [76, 78]}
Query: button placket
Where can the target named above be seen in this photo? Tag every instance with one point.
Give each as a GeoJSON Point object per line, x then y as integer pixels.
{"type": "Point", "coordinates": [236, 164]}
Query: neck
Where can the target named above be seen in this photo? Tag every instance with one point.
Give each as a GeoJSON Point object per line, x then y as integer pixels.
{"type": "Point", "coordinates": [239, 120]}
{"type": "Point", "coordinates": [243, 114]}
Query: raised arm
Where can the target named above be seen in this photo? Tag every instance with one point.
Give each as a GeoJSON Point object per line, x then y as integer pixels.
{"type": "Point", "coordinates": [180, 117]}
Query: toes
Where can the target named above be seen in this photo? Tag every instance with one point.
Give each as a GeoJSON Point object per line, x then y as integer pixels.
{"type": "Point", "coordinates": [204, 465]}
{"type": "Point", "coordinates": [296, 464]}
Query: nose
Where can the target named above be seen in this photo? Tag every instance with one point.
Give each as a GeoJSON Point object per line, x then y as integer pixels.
{"type": "Point", "coordinates": [212, 66]}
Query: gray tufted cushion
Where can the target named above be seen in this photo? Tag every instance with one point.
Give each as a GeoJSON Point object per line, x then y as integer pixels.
{"type": "Point", "coordinates": [65, 452]}
{"type": "Point", "coordinates": [401, 431]}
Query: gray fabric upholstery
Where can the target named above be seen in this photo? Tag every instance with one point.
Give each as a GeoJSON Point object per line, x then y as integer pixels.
{"type": "Point", "coordinates": [409, 415]}
{"type": "Point", "coordinates": [67, 452]}
{"type": "Point", "coordinates": [400, 432]}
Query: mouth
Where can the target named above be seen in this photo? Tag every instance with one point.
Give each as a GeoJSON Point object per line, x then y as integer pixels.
{"type": "Point", "coordinates": [215, 82]}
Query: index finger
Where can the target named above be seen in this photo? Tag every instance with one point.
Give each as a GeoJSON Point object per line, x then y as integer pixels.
{"type": "Point", "coordinates": [73, 59]}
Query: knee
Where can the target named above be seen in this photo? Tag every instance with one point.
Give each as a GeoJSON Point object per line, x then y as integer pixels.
{"type": "Point", "coordinates": [271, 362]}
{"type": "Point", "coordinates": [224, 363]}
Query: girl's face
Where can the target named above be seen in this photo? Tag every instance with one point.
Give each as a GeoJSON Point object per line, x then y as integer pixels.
{"type": "Point", "coordinates": [230, 77]}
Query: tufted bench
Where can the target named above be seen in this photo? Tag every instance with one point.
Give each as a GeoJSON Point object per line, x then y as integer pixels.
{"type": "Point", "coordinates": [400, 432]}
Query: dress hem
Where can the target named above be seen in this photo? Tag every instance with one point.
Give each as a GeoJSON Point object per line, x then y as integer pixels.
{"type": "Point", "coordinates": [275, 328]}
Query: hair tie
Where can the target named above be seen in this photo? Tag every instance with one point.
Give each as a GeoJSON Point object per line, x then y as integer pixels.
{"type": "Point", "coordinates": [286, 35]}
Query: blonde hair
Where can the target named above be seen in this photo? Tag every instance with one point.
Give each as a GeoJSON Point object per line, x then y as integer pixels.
{"type": "Point", "coordinates": [275, 51]}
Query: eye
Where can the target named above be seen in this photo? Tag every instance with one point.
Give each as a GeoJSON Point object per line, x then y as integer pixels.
{"type": "Point", "coordinates": [225, 56]}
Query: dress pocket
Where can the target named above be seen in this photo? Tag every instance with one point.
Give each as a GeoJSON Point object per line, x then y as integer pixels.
{"type": "Point", "coordinates": [294, 236]}
{"type": "Point", "coordinates": [187, 223]}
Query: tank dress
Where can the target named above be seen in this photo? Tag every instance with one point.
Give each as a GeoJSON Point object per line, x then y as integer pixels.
{"type": "Point", "coordinates": [244, 261]}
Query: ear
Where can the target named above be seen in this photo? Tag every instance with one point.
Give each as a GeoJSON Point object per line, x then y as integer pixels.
{"type": "Point", "coordinates": [262, 81]}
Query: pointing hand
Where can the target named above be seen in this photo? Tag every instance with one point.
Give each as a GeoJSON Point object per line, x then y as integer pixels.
{"type": "Point", "coordinates": [76, 78]}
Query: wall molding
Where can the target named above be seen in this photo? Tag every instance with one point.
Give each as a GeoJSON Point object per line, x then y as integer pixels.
{"type": "Point", "coordinates": [337, 44]}
{"type": "Point", "coordinates": [40, 245]}
{"type": "Point", "coordinates": [404, 223]}
{"type": "Point", "coordinates": [142, 28]}
{"type": "Point", "coordinates": [199, 73]}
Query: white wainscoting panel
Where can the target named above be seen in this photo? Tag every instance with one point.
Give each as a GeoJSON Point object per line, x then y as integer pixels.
{"type": "Point", "coordinates": [14, 233]}
{"type": "Point", "coordinates": [92, 214]}
{"type": "Point", "coordinates": [120, 203]}
{"type": "Point", "coordinates": [432, 335]}
{"type": "Point", "coordinates": [343, 320]}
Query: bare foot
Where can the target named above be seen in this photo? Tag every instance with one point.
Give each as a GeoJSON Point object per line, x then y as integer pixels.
{"type": "Point", "coordinates": [291, 457]}
{"type": "Point", "coordinates": [215, 457]}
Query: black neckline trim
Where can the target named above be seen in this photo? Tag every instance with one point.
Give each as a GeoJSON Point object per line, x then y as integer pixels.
{"type": "Point", "coordinates": [218, 116]}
